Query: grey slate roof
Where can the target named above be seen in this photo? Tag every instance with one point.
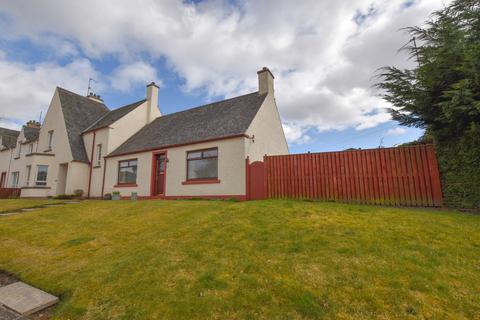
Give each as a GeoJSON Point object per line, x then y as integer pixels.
{"type": "Point", "coordinates": [212, 121]}
{"type": "Point", "coordinates": [79, 113]}
{"type": "Point", "coordinates": [9, 137]}
{"type": "Point", "coordinates": [31, 134]}
{"type": "Point", "coordinates": [113, 116]}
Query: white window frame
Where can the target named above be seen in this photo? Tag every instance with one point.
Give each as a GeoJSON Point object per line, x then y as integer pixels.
{"type": "Point", "coordinates": [29, 173]}
{"type": "Point", "coordinates": [50, 140]}
{"type": "Point", "coordinates": [30, 148]}
{"type": "Point", "coordinates": [99, 155]}
{"type": "Point", "coordinates": [41, 182]}
{"type": "Point", "coordinates": [15, 179]}
{"type": "Point", "coordinates": [19, 149]}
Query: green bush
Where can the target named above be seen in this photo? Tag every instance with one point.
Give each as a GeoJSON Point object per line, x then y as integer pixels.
{"type": "Point", "coordinates": [459, 162]}
{"type": "Point", "coordinates": [64, 196]}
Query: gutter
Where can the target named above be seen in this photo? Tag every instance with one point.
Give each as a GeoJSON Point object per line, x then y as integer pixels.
{"type": "Point", "coordinates": [179, 145]}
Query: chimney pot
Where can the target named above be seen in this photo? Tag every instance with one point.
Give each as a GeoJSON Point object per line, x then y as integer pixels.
{"type": "Point", "coordinates": [33, 124]}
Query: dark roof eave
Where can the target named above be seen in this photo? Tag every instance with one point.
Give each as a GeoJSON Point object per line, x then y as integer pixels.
{"type": "Point", "coordinates": [177, 145]}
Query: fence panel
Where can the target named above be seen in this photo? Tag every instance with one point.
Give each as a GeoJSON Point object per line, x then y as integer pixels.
{"type": "Point", "coordinates": [6, 193]}
{"type": "Point", "coordinates": [391, 176]}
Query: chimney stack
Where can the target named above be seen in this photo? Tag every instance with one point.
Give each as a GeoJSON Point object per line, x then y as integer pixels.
{"type": "Point", "coordinates": [33, 124]}
{"type": "Point", "coordinates": [152, 102]}
{"type": "Point", "coordinates": [265, 81]}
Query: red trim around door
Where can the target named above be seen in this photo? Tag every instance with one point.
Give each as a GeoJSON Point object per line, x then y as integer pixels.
{"type": "Point", "coordinates": [154, 170]}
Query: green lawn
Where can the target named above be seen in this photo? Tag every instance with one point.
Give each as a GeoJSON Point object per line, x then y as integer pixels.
{"type": "Point", "coordinates": [15, 204]}
{"type": "Point", "coordinates": [248, 260]}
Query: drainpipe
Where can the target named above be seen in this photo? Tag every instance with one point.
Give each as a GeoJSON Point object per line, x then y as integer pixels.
{"type": "Point", "coordinates": [104, 170]}
{"type": "Point", "coordinates": [91, 164]}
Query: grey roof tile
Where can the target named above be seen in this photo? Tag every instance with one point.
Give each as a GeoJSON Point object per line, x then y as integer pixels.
{"type": "Point", "coordinates": [113, 116]}
{"type": "Point", "coordinates": [212, 121]}
{"type": "Point", "coordinates": [79, 113]}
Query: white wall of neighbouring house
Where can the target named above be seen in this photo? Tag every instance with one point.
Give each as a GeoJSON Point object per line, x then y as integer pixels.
{"type": "Point", "coordinates": [54, 121]}
{"type": "Point", "coordinates": [267, 130]}
{"type": "Point", "coordinates": [5, 158]}
{"type": "Point", "coordinates": [128, 125]}
{"type": "Point", "coordinates": [77, 177]}
{"type": "Point", "coordinates": [58, 154]}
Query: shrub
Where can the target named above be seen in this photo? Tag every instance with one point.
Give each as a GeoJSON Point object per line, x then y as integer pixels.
{"type": "Point", "coordinates": [65, 196]}
{"type": "Point", "coordinates": [78, 193]}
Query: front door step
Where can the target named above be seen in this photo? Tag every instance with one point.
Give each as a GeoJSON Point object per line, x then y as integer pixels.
{"type": "Point", "coordinates": [25, 299]}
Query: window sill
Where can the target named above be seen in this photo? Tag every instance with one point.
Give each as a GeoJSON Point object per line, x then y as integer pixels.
{"type": "Point", "coordinates": [48, 150]}
{"type": "Point", "coordinates": [125, 185]}
{"type": "Point", "coordinates": [201, 181]}
{"type": "Point", "coordinates": [36, 187]}
{"type": "Point", "coordinates": [16, 158]}
{"type": "Point", "coordinates": [95, 167]}
{"type": "Point", "coordinates": [39, 154]}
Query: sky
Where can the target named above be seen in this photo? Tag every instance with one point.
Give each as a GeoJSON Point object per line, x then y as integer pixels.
{"type": "Point", "coordinates": [325, 56]}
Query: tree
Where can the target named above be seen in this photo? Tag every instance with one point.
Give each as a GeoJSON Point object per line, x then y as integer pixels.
{"type": "Point", "coordinates": [442, 94]}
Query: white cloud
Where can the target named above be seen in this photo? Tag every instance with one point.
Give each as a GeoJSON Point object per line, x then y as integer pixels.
{"type": "Point", "coordinates": [126, 76]}
{"type": "Point", "coordinates": [323, 58]}
{"type": "Point", "coordinates": [398, 131]}
{"type": "Point", "coordinates": [296, 134]}
{"type": "Point", "coordinates": [26, 90]}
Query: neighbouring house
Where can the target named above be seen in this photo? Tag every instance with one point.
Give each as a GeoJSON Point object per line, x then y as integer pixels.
{"type": "Point", "coordinates": [199, 152]}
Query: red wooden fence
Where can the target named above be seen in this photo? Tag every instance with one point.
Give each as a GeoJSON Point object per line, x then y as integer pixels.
{"type": "Point", "coordinates": [9, 192]}
{"type": "Point", "coordinates": [393, 176]}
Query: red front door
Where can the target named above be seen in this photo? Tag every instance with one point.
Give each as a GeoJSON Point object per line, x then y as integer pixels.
{"type": "Point", "coordinates": [160, 166]}
{"type": "Point", "coordinates": [3, 179]}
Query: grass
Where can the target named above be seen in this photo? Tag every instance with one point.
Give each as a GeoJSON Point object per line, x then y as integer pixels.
{"type": "Point", "coordinates": [247, 260]}
{"type": "Point", "coordinates": [16, 204]}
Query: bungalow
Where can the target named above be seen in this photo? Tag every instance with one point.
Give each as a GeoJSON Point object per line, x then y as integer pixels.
{"type": "Point", "coordinates": [199, 152]}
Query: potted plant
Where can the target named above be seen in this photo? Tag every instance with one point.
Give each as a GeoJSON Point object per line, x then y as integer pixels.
{"type": "Point", "coordinates": [116, 195]}
{"type": "Point", "coordinates": [107, 196]}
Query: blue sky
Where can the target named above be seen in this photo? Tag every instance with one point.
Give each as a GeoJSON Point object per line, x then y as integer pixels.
{"type": "Point", "coordinates": [324, 56]}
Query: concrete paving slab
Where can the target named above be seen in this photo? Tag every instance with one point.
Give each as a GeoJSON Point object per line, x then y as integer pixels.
{"type": "Point", "coordinates": [25, 299]}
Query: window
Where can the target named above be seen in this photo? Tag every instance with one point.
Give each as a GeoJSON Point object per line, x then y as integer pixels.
{"type": "Point", "coordinates": [29, 171]}
{"type": "Point", "coordinates": [30, 148]}
{"type": "Point", "coordinates": [41, 175]}
{"type": "Point", "coordinates": [15, 177]}
{"type": "Point", "coordinates": [127, 171]}
{"type": "Point", "coordinates": [99, 155]}
{"type": "Point", "coordinates": [19, 149]}
{"type": "Point", "coordinates": [50, 139]}
{"type": "Point", "coordinates": [202, 164]}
